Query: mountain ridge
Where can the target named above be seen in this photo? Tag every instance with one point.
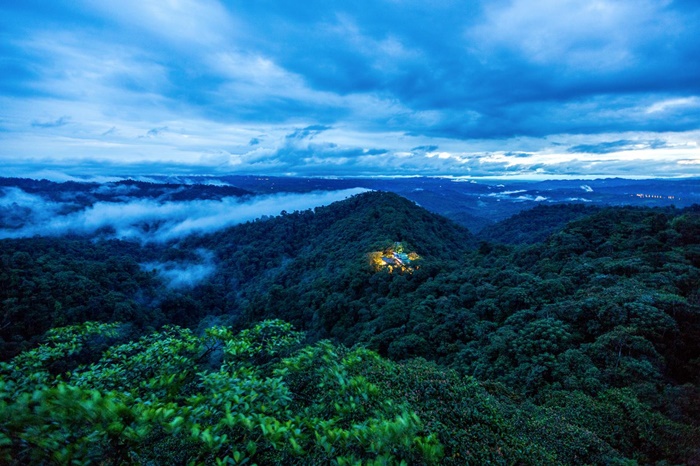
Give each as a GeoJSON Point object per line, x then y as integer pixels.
{"type": "Point", "coordinates": [600, 317]}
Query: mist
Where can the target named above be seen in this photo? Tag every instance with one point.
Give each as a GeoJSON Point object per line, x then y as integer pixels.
{"type": "Point", "coordinates": [19, 210]}
{"type": "Point", "coordinates": [147, 220]}
{"type": "Point", "coordinates": [183, 274]}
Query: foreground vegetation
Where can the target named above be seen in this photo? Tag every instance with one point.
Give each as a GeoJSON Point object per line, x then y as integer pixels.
{"type": "Point", "coordinates": [260, 396]}
{"type": "Point", "coordinates": [219, 399]}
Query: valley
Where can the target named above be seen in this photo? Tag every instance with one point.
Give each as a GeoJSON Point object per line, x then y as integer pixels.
{"type": "Point", "coordinates": [565, 334]}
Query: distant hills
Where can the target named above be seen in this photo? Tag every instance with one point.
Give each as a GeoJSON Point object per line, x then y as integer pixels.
{"type": "Point", "coordinates": [478, 203]}
{"type": "Point", "coordinates": [88, 193]}
{"type": "Point", "coordinates": [472, 203]}
{"type": "Point", "coordinates": [535, 225]}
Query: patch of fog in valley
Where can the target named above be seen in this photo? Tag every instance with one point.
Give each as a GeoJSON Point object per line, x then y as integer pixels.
{"type": "Point", "coordinates": [179, 274]}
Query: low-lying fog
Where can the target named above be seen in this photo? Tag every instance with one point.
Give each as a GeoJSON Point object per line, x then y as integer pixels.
{"type": "Point", "coordinates": [149, 220]}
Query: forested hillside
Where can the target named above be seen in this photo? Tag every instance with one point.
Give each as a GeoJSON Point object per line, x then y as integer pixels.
{"type": "Point", "coordinates": [536, 224]}
{"type": "Point", "coordinates": [49, 281]}
{"type": "Point", "coordinates": [578, 343]}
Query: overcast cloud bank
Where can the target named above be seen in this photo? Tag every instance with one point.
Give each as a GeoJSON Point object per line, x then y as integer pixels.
{"type": "Point", "coordinates": [549, 88]}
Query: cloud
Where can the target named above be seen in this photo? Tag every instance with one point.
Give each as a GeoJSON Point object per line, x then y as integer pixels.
{"type": "Point", "coordinates": [60, 177]}
{"type": "Point", "coordinates": [64, 120]}
{"type": "Point", "coordinates": [149, 220]}
{"type": "Point", "coordinates": [182, 22]}
{"type": "Point", "coordinates": [511, 195]}
{"type": "Point", "coordinates": [517, 196]}
{"type": "Point", "coordinates": [578, 33]}
{"type": "Point", "coordinates": [366, 88]}
{"type": "Point", "coordinates": [674, 104]}
{"type": "Point", "coordinates": [110, 131]}
{"type": "Point", "coordinates": [431, 148]}
{"type": "Point", "coordinates": [184, 274]}
{"type": "Point", "coordinates": [617, 146]}
{"type": "Point", "coordinates": [155, 132]}
{"type": "Point", "coordinates": [307, 133]}
{"type": "Point", "coordinates": [18, 209]}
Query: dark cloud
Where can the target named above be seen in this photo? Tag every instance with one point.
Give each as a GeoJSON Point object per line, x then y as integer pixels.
{"type": "Point", "coordinates": [374, 151]}
{"type": "Point", "coordinates": [617, 146]}
{"type": "Point", "coordinates": [62, 121]}
{"type": "Point", "coordinates": [155, 131]}
{"type": "Point", "coordinates": [110, 131]}
{"type": "Point", "coordinates": [307, 133]}
{"type": "Point", "coordinates": [424, 73]}
{"type": "Point", "coordinates": [352, 51]}
{"type": "Point", "coordinates": [432, 148]}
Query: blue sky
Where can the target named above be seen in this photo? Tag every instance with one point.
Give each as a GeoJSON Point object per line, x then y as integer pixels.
{"type": "Point", "coordinates": [546, 88]}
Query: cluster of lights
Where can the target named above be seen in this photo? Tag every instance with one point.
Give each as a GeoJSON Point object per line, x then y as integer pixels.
{"type": "Point", "coordinates": [394, 258]}
{"type": "Point", "coordinates": [654, 196]}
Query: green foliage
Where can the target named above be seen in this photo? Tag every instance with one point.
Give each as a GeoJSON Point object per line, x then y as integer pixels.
{"type": "Point", "coordinates": [32, 369]}
{"type": "Point", "coordinates": [54, 282]}
{"type": "Point", "coordinates": [619, 417]}
{"type": "Point", "coordinates": [154, 401]}
{"type": "Point", "coordinates": [259, 344]}
{"type": "Point", "coordinates": [535, 225]}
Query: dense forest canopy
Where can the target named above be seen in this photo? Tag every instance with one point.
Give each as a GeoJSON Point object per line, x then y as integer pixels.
{"type": "Point", "coordinates": [563, 335]}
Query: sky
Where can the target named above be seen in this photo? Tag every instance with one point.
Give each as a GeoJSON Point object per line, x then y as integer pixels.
{"type": "Point", "coordinates": [504, 88]}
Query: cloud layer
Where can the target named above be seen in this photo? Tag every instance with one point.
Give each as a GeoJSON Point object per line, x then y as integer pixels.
{"type": "Point", "coordinates": [551, 87]}
{"type": "Point", "coordinates": [146, 220]}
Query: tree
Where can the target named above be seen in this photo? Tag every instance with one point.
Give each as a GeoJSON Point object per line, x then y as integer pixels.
{"type": "Point", "coordinates": [224, 398]}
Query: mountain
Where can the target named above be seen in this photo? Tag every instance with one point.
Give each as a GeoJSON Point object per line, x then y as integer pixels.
{"type": "Point", "coordinates": [536, 224]}
{"type": "Point", "coordinates": [472, 203]}
{"type": "Point", "coordinates": [55, 281]}
{"type": "Point", "coordinates": [88, 193]}
{"type": "Point", "coordinates": [313, 268]}
{"type": "Point", "coordinates": [476, 203]}
{"type": "Point", "coordinates": [47, 282]}
{"type": "Point", "coordinates": [577, 343]}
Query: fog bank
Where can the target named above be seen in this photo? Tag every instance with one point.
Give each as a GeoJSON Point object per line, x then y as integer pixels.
{"type": "Point", "coordinates": [147, 220]}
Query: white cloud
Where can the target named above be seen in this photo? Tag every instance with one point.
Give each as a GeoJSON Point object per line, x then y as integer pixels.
{"type": "Point", "coordinates": [183, 274]}
{"type": "Point", "coordinates": [506, 194]}
{"type": "Point", "coordinates": [670, 104]}
{"type": "Point", "coordinates": [201, 22]}
{"type": "Point", "coordinates": [150, 220]}
{"type": "Point", "coordinates": [77, 66]}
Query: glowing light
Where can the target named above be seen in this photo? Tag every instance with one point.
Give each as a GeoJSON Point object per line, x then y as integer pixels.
{"type": "Point", "coordinates": [393, 258]}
